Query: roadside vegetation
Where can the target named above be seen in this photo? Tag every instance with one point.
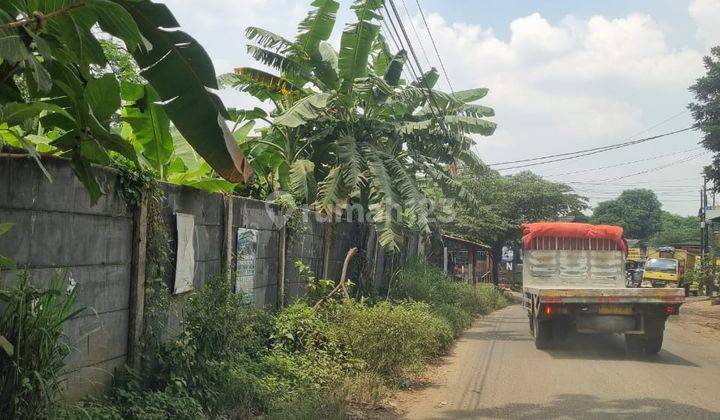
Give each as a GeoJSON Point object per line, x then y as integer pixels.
{"type": "Point", "coordinates": [313, 359]}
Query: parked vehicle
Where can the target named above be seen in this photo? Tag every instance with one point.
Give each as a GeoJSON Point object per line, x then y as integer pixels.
{"type": "Point", "coordinates": [574, 279]}
{"type": "Point", "coordinates": [633, 273]}
{"type": "Point", "coordinates": [666, 267]}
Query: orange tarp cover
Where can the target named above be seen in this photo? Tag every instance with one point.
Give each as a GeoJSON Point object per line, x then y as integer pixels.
{"type": "Point", "coordinates": [574, 230]}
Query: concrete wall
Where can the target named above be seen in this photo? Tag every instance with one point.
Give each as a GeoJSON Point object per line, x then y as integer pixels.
{"type": "Point", "coordinates": [57, 228]}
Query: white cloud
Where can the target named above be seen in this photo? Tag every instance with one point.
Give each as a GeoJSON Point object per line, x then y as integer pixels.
{"type": "Point", "coordinates": [575, 83]}
{"type": "Point", "coordinates": [706, 14]}
{"type": "Point", "coordinates": [533, 34]}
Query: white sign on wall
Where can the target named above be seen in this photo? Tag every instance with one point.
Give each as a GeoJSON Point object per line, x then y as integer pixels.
{"type": "Point", "coordinates": [246, 256]}
{"type": "Point", "coordinates": [185, 261]}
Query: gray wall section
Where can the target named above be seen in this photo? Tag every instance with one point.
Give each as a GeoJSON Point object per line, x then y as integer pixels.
{"type": "Point", "coordinates": [57, 228]}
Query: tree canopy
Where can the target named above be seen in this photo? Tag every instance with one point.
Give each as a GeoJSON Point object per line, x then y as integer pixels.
{"type": "Point", "coordinates": [676, 229]}
{"type": "Point", "coordinates": [706, 109]}
{"type": "Point", "coordinates": [638, 211]}
{"type": "Point", "coordinates": [501, 204]}
{"type": "Point", "coordinates": [347, 130]}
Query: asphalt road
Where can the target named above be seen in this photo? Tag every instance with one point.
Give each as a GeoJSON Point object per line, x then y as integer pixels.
{"type": "Point", "coordinates": [495, 372]}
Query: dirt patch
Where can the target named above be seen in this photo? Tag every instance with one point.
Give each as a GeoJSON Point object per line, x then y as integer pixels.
{"type": "Point", "coordinates": [702, 312]}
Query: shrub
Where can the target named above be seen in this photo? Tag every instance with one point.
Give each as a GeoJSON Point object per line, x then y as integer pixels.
{"type": "Point", "coordinates": [220, 328]}
{"type": "Point", "coordinates": [33, 350]}
{"type": "Point", "coordinates": [133, 404]}
{"type": "Point", "coordinates": [390, 339]}
{"type": "Point", "coordinates": [456, 301]}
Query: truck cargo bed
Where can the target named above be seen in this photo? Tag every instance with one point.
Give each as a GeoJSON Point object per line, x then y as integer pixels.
{"type": "Point", "coordinates": [576, 294]}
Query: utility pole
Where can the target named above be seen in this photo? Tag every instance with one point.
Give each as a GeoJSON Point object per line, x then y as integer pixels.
{"type": "Point", "coordinates": [705, 236]}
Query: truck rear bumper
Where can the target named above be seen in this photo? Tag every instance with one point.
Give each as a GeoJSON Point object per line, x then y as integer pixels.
{"type": "Point", "coordinates": [609, 324]}
{"type": "Point", "coordinates": [609, 295]}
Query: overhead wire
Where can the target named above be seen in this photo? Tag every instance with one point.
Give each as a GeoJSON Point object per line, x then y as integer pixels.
{"type": "Point", "coordinates": [676, 162]}
{"type": "Point", "coordinates": [417, 35]}
{"type": "Point", "coordinates": [623, 163]}
{"type": "Point", "coordinates": [434, 44]}
{"type": "Point", "coordinates": [582, 153]}
{"type": "Point", "coordinates": [398, 40]}
{"type": "Point", "coordinates": [411, 50]}
{"type": "Point", "coordinates": [630, 139]}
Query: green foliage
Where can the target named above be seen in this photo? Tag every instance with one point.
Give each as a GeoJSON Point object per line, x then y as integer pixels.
{"type": "Point", "coordinates": [4, 261]}
{"type": "Point", "coordinates": [351, 114]}
{"type": "Point", "coordinates": [496, 206]}
{"type": "Point", "coordinates": [220, 326]}
{"type": "Point", "coordinates": [456, 301]}
{"type": "Point", "coordinates": [295, 226]}
{"type": "Point", "coordinates": [317, 289]}
{"type": "Point", "coordinates": [637, 211]}
{"type": "Point", "coordinates": [33, 350]}
{"type": "Point", "coordinates": [233, 360]}
{"type": "Point", "coordinates": [706, 109]}
{"type": "Point", "coordinates": [183, 77]}
{"type": "Point", "coordinates": [676, 229]}
{"type": "Point", "coordinates": [131, 402]}
{"type": "Point", "coordinates": [392, 340]}
{"type": "Point", "coordinates": [60, 94]}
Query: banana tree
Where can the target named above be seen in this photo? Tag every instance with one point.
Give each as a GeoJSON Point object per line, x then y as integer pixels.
{"type": "Point", "coordinates": [49, 84]}
{"type": "Point", "coordinates": [347, 126]}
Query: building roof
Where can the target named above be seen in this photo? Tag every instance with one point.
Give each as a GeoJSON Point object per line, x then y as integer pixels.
{"type": "Point", "coordinates": [466, 242]}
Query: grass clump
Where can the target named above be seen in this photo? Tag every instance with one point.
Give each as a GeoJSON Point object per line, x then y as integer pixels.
{"type": "Point", "coordinates": [455, 301]}
{"type": "Point", "coordinates": [33, 346]}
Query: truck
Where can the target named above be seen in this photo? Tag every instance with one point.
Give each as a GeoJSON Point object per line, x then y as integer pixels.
{"type": "Point", "coordinates": [573, 279]}
{"type": "Point", "coordinates": [667, 266]}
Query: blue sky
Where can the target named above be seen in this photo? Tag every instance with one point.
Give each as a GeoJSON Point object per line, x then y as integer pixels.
{"type": "Point", "coordinates": [563, 75]}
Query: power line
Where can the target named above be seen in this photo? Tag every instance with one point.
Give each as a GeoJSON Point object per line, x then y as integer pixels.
{"type": "Point", "coordinates": [623, 163]}
{"type": "Point", "coordinates": [398, 41]}
{"type": "Point", "coordinates": [417, 36]}
{"type": "Point", "coordinates": [433, 100]}
{"type": "Point", "coordinates": [585, 152]}
{"type": "Point", "coordinates": [437, 53]}
{"type": "Point", "coordinates": [658, 124]}
{"type": "Point", "coordinates": [677, 162]}
{"type": "Point", "coordinates": [659, 181]}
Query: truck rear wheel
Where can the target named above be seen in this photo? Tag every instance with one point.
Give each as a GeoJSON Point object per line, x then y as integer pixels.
{"type": "Point", "coordinates": [635, 344]}
{"type": "Point", "coordinates": [653, 344]}
{"type": "Point", "coordinates": [654, 331]}
{"type": "Point", "coordinates": [648, 343]}
{"type": "Point", "coordinates": [543, 334]}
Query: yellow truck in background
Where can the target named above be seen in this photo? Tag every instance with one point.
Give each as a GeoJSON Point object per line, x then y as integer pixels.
{"type": "Point", "coordinates": [666, 267]}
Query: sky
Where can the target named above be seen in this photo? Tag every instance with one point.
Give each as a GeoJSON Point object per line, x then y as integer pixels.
{"type": "Point", "coordinates": [564, 75]}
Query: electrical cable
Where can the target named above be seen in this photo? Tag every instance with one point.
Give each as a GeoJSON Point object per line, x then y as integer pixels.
{"type": "Point", "coordinates": [585, 152]}
{"type": "Point", "coordinates": [400, 46]}
{"type": "Point", "coordinates": [437, 53]}
{"type": "Point", "coordinates": [417, 35]}
{"type": "Point", "coordinates": [677, 162]}
{"type": "Point", "coordinates": [441, 121]}
{"type": "Point", "coordinates": [623, 163]}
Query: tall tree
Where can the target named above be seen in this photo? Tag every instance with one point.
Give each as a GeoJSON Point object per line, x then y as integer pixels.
{"type": "Point", "coordinates": [347, 129]}
{"type": "Point", "coordinates": [638, 211]}
{"type": "Point", "coordinates": [497, 207]}
{"type": "Point", "coordinates": [675, 229]}
{"type": "Point", "coordinates": [706, 109]}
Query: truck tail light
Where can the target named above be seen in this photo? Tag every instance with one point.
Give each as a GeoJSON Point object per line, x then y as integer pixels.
{"type": "Point", "coordinates": [671, 309]}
